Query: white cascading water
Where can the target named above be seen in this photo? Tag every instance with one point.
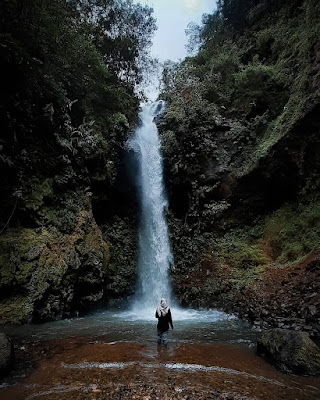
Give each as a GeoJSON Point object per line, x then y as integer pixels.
{"type": "Point", "coordinates": [154, 257]}
{"type": "Point", "coordinates": [154, 254]}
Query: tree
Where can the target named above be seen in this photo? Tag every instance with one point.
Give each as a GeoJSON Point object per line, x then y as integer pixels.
{"type": "Point", "coordinates": [121, 31]}
{"type": "Point", "coordinates": [68, 97]}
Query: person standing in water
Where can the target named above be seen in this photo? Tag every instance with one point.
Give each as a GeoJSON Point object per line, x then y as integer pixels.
{"type": "Point", "coordinates": [163, 314]}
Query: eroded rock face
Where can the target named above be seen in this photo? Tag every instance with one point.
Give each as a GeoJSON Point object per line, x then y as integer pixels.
{"type": "Point", "coordinates": [5, 352]}
{"type": "Point", "coordinates": [48, 273]}
{"type": "Point", "coordinates": [290, 351]}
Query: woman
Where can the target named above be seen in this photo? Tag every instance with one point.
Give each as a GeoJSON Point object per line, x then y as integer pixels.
{"type": "Point", "coordinates": [163, 314]}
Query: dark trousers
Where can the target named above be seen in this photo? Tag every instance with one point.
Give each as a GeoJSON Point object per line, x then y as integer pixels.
{"type": "Point", "coordinates": [163, 337]}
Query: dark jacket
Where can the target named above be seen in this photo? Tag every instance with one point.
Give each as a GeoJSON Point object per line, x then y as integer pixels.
{"type": "Point", "coordinates": [163, 322]}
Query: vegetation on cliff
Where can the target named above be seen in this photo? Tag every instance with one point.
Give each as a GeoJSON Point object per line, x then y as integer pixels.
{"type": "Point", "coordinates": [68, 102]}
{"type": "Point", "coordinates": [241, 146]}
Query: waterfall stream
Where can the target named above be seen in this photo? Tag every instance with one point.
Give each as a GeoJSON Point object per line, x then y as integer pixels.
{"type": "Point", "coordinates": [154, 260]}
{"type": "Point", "coordinates": [123, 342]}
{"type": "Point", "coordinates": [154, 254]}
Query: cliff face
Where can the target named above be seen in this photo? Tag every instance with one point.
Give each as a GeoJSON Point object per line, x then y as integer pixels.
{"type": "Point", "coordinates": [66, 109]}
{"type": "Point", "coordinates": [47, 272]}
{"type": "Point", "coordinates": [241, 145]}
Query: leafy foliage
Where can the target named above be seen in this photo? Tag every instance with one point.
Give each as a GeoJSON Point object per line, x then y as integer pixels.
{"type": "Point", "coordinates": [68, 101]}
{"type": "Point", "coordinates": [239, 138]}
{"type": "Point", "coordinates": [121, 31]}
{"type": "Point", "coordinates": [67, 105]}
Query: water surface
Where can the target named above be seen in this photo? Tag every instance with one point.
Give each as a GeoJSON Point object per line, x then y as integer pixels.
{"type": "Point", "coordinates": [114, 355]}
{"type": "Point", "coordinates": [190, 326]}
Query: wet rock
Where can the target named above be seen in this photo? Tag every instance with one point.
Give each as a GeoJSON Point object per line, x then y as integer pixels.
{"type": "Point", "coordinates": [6, 353]}
{"type": "Point", "coordinates": [290, 351]}
{"type": "Point", "coordinates": [53, 271]}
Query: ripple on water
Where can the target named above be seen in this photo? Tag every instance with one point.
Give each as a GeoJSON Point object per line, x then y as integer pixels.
{"type": "Point", "coordinates": [170, 366]}
{"type": "Point", "coordinates": [189, 326]}
{"type": "Point", "coordinates": [178, 314]}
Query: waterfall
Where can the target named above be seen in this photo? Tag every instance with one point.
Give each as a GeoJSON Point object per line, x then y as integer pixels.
{"type": "Point", "coordinates": [154, 254]}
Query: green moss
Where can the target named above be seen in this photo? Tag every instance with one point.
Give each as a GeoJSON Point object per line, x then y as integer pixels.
{"type": "Point", "coordinates": [308, 356]}
{"type": "Point", "coordinates": [16, 309]}
{"type": "Point", "coordinates": [242, 256]}
{"type": "Point", "coordinates": [239, 250]}
{"type": "Point", "coordinates": [237, 259]}
{"type": "Point", "coordinates": [290, 351]}
{"type": "Point", "coordinates": [19, 248]}
{"type": "Point", "coordinates": [248, 97]}
{"type": "Point", "coordinates": [285, 236]}
{"type": "Point", "coordinates": [292, 42]}
{"type": "Point", "coordinates": [294, 230]}
{"type": "Point", "coordinates": [259, 85]}
{"type": "Point", "coordinates": [38, 190]}
{"type": "Point", "coordinates": [37, 262]}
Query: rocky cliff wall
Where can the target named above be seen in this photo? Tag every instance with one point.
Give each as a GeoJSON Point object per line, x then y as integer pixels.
{"type": "Point", "coordinates": [67, 220]}
{"type": "Point", "coordinates": [241, 139]}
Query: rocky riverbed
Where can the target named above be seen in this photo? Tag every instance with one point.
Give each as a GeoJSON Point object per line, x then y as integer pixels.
{"type": "Point", "coordinates": [77, 368]}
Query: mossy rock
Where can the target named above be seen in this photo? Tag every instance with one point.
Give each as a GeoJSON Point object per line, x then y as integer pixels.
{"type": "Point", "coordinates": [6, 353]}
{"type": "Point", "coordinates": [38, 190]}
{"type": "Point", "coordinates": [52, 273]}
{"type": "Point", "coordinates": [19, 250]}
{"type": "Point", "coordinates": [16, 309]}
{"type": "Point", "coordinates": [290, 351]}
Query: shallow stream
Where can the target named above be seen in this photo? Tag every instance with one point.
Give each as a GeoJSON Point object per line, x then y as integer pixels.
{"type": "Point", "coordinates": [114, 355]}
{"type": "Point", "coordinates": [190, 326]}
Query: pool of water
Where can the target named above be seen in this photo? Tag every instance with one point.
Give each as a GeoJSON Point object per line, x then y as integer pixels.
{"type": "Point", "coordinates": [190, 326]}
{"type": "Point", "coordinates": [114, 355]}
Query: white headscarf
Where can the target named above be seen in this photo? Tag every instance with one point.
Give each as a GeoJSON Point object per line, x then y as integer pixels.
{"type": "Point", "coordinates": [163, 308]}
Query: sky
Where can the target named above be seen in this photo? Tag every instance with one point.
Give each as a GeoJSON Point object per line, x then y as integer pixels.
{"type": "Point", "coordinates": [173, 17]}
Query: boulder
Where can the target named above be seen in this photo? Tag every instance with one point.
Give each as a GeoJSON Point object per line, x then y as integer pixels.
{"type": "Point", "coordinates": [6, 353]}
{"type": "Point", "coordinates": [290, 351]}
{"type": "Point", "coordinates": [54, 270]}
